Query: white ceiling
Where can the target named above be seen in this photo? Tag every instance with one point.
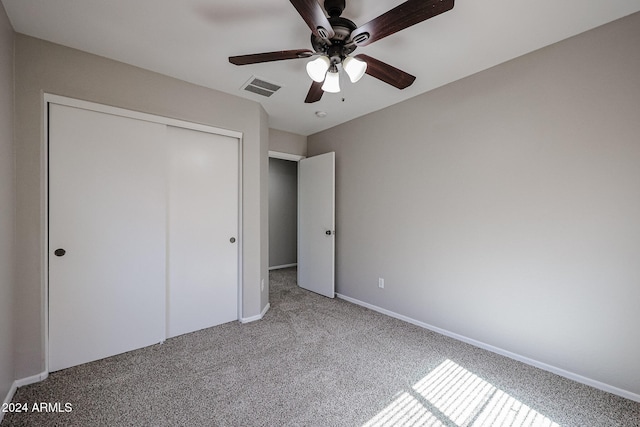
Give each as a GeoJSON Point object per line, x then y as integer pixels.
{"type": "Point", "coordinates": [192, 39]}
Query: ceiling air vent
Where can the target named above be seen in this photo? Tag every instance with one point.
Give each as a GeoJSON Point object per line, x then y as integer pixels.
{"type": "Point", "coordinates": [261, 87]}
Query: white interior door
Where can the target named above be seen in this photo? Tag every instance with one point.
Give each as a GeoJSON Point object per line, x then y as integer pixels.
{"type": "Point", "coordinates": [107, 210]}
{"type": "Point", "coordinates": [203, 230]}
{"type": "Point", "coordinates": [316, 224]}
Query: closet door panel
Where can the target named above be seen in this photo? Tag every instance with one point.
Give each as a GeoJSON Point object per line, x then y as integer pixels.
{"type": "Point", "coordinates": [107, 211]}
{"type": "Point", "coordinates": [203, 230]}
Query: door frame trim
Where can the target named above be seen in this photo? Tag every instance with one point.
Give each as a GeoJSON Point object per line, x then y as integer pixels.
{"type": "Point", "coordinates": [44, 183]}
{"type": "Point", "coordinates": [285, 156]}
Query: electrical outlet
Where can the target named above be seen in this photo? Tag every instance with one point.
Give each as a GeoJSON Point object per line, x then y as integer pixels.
{"type": "Point", "coordinates": [262, 285]}
{"type": "Point", "coordinates": [380, 282]}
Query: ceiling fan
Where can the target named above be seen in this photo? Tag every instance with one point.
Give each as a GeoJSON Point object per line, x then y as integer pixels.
{"type": "Point", "coordinates": [334, 39]}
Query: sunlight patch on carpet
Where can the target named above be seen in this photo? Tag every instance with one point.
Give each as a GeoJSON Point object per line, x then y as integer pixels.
{"type": "Point", "coordinates": [451, 394]}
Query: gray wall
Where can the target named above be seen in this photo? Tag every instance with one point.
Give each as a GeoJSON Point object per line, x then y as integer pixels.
{"type": "Point", "coordinates": [505, 207]}
{"type": "Point", "coordinates": [283, 212]}
{"type": "Point", "coordinates": [287, 142]}
{"type": "Point", "coordinates": [45, 67]}
{"type": "Point", "coordinates": [7, 204]}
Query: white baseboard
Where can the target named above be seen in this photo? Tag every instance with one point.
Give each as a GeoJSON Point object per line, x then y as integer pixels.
{"type": "Point", "coordinates": [278, 267]}
{"type": "Point", "coordinates": [257, 317]}
{"type": "Point", "coordinates": [558, 371]}
{"type": "Point", "coordinates": [21, 383]}
{"type": "Point", "coordinates": [8, 398]}
{"type": "Point", "coordinates": [32, 379]}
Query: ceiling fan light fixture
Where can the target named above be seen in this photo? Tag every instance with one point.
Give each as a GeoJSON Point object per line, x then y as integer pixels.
{"type": "Point", "coordinates": [317, 68]}
{"type": "Point", "coordinates": [354, 67]}
{"type": "Point", "coordinates": [334, 38]}
{"type": "Point", "coordinates": [332, 81]}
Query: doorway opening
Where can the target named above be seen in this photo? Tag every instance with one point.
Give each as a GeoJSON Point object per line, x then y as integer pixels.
{"type": "Point", "coordinates": [283, 210]}
{"type": "Point", "coordinates": [315, 217]}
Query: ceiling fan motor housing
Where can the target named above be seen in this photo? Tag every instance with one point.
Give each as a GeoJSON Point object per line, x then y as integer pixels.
{"type": "Point", "coordinates": [340, 44]}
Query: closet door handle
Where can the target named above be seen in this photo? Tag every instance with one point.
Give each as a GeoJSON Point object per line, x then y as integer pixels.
{"type": "Point", "coordinates": [232, 240]}
{"type": "Point", "coordinates": [59, 252]}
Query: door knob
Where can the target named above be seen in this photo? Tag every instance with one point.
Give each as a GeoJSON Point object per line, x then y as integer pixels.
{"type": "Point", "coordinates": [59, 252]}
{"type": "Point", "coordinates": [328, 232]}
{"type": "Point", "coordinates": [232, 240]}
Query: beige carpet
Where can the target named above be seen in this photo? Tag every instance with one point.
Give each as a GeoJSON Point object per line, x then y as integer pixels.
{"type": "Point", "coordinates": [314, 361]}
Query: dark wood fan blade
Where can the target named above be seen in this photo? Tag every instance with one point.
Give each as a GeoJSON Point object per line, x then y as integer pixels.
{"type": "Point", "coordinates": [386, 72]}
{"type": "Point", "coordinates": [270, 56]}
{"type": "Point", "coordinates": [315, 93]}
{"type": "Point", "coordinates": [407, 14]}
{"type": "Point", "coordinates": [315, 18]}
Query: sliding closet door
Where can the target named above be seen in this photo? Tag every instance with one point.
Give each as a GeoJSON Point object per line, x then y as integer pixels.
{"type": "Point", "coordinates": [203, 230]}
{"type": "Point", "coordinates": [107, 235]}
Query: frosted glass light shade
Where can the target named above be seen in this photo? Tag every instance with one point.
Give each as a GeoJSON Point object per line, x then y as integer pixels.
{"type": "Point", "coordinates": [332, 82]}
{"type": "Point", "coordinates": [318, 68]}
{"type": "Point", "coordinates": [354, 68]}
